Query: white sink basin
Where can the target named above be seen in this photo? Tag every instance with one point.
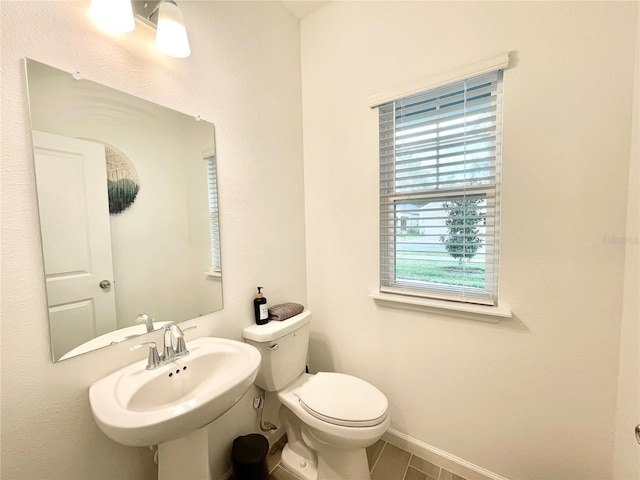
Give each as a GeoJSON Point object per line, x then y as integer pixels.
{"type": "Point", "coordinates": [139, 407]}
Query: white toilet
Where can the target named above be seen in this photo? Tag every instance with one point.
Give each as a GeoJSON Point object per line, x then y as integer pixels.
{"type": "Point", "coordinates": [330, 418]}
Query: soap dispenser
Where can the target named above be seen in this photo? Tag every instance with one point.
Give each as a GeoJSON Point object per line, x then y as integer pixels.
{"type": "Point", "coordinates": [260, 308]}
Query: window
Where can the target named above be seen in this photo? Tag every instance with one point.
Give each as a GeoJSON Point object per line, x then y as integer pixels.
{"type": "Point", "coordinates": [439, 191]}
{"type": "Point", "coordinates": [214, 225]}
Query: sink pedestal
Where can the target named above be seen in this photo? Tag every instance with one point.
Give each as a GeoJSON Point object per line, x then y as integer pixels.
{"type": "Point", "coordinates": [187, 457]}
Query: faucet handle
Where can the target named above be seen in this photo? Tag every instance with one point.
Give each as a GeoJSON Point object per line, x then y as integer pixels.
{"type": "Point", "coordinates": [153, 361]}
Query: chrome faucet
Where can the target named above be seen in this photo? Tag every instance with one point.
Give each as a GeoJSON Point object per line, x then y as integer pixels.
{"type": "Point", "coordinates": [170, 351]}
{"type": "Point", "coordinates": [171, 332]}
{"type": "Point", "coordinates": [147, 320]}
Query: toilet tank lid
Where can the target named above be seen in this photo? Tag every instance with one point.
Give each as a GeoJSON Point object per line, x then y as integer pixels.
{"type": "Point", "coordinates": [276, 329]}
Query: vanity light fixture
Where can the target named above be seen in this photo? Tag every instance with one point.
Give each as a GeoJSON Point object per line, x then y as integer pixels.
{"type": "Point", "coordinates": [171, 37]}
{"type": "Point", "coordinates": [114, 14]}
{"type": "Point", "coordinates": [164, 16]}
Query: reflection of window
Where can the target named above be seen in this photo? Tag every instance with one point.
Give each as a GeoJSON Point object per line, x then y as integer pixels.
{"type": "Point", "coordinates": [439, 170]}
{"type": "Point", "coordinates": [214, 225]}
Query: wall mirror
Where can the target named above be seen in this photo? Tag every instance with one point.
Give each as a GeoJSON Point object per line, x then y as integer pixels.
{"type": "Point", "coordinates": [127, 197]}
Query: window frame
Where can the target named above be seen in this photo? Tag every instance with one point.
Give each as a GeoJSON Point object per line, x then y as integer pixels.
{"type": "Point", "coordinates": [389, 283]}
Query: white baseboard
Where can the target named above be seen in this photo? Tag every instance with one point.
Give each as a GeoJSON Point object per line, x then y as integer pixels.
{"type": "Point", "coordinates": [432, 454]}
{"type": "Point", "coordinates": [439, 457]}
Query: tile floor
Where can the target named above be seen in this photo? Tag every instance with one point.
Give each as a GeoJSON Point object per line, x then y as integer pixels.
{"type": "Point", "coordinates": [386, 462]}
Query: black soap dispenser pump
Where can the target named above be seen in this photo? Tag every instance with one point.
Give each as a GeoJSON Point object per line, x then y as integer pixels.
{"type": "Point", "coordinates": [260, 308]}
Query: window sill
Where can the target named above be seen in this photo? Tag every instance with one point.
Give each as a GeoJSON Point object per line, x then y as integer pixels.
{"type": "Point", "coordinates": [443, 307]}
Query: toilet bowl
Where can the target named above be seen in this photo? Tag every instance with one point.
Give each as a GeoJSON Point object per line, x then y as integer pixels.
{"type": "Point", "coordinates": [328, 440]}
{"type": "Point", "coordinates": [330, 418]}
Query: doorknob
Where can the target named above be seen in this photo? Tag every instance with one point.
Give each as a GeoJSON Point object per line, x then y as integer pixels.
{"type": "Point", "coordinates": [105, 284]}
{"type": "Point", "coordinates": [638, 433]}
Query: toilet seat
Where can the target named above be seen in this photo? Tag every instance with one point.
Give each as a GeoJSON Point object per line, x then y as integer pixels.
{"type": "Point", "coordinates": [343, 400]}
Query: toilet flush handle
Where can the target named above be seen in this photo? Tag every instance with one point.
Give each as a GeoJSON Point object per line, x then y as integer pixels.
{"type": "Point", "coordinates": [275, 346]}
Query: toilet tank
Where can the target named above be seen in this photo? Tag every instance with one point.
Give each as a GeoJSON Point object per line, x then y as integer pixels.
{"type": "Point", "coordinates": [283, 346]}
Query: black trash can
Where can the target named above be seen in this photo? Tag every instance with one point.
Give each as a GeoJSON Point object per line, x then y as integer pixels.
{"type": "Point", "coordinates": [249, 457]}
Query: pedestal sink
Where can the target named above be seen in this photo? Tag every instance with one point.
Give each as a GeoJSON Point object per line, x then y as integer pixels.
{"type": "Point", "coordinates": [171, 405]}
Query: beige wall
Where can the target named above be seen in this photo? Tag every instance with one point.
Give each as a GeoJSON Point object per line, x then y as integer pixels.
{"type": "Point", "coordinates": [244, 76]}
{"type": "Point", "coordinates": [533, 397]}
{"type": "Point", "coordinates": [627, 452]}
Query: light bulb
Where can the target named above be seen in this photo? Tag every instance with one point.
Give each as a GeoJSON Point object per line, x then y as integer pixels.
{"type": "Point", "coordinates": [114, 14]}
{"type": "Point", "coordinates": [171, 37]}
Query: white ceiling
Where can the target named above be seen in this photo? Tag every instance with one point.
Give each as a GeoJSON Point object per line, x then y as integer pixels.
{"type": "Point", "coordinates": [302, 8]}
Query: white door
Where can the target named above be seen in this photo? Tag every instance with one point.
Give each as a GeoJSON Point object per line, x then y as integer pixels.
{"type": "Point", "coordinates": [71, 180]}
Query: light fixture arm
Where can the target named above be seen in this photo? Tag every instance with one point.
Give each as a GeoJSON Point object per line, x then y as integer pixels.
{"type": "Point", "coordinates": [147, 11]}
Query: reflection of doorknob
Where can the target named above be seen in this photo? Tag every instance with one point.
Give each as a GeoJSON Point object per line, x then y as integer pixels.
{"type": "Point", "coordinates": [105, 284]}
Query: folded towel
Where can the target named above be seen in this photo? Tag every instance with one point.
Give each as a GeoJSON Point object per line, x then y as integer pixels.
{"type": "Point", "coordinates": [284, 311]}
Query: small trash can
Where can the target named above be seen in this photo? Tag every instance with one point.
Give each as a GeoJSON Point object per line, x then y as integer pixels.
{"type": "Point", "coordinates": [249, 457]}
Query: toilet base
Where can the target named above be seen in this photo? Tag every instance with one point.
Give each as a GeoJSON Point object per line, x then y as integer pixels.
{"type": "Point", "coordinates": [303, 467]}
{"type": "Point", "coordinates": [334, 465]}
{"type": "Point", "coordinates": [337, 463]}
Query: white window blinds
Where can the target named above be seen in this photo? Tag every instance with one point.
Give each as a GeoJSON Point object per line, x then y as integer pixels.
{"type": "Point", "coordinates": [439, 178]}
{"type": "Point", "coordinates": [214, 225]}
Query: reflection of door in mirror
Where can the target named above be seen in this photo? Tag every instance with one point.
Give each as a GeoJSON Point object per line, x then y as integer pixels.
{"type": "Point", "coordinates": [76, 239]}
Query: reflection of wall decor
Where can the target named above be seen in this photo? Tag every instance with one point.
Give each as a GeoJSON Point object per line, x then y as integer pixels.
{"type": "Point", "coordinates": [122, 180]}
